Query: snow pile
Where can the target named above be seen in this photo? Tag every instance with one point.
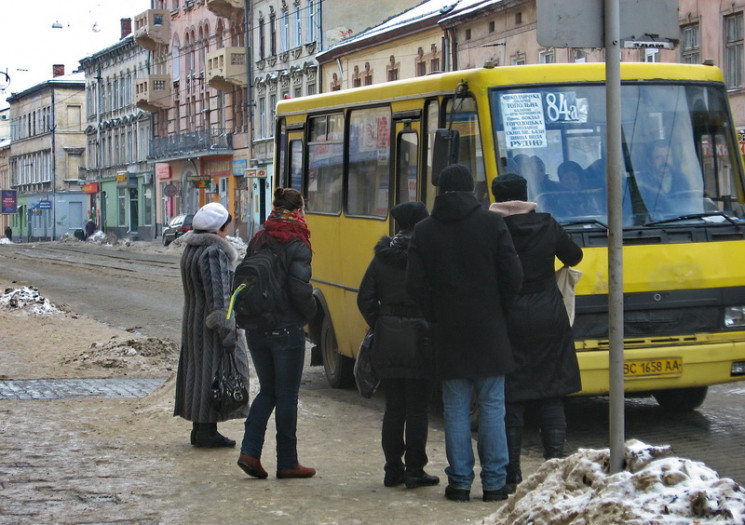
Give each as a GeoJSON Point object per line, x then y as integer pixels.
{"type": "Point", "coordinates": [654, 489]}
{"type": "Point", "coordinates": [144, 354]}
{"type": "Point", "coordinates": [5, 240]}
{"type": "Point", "coordinates": [27, 298]}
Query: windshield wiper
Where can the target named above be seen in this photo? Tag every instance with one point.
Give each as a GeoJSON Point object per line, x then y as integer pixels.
{"type": "Point", "coordinates": [585, 222]}
{"type": "Point", "coordinates": [693, 216]}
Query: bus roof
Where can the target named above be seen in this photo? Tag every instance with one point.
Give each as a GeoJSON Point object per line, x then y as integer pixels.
{"type": "Point", "coordinates": [445, 83]}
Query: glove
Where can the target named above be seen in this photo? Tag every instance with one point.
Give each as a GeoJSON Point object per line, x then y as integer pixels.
{"type": "Point", "coordinates": [225, 328]}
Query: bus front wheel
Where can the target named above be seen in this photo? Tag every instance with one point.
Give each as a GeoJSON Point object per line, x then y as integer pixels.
{"type": "Point", "coordinates": [681, 399]}
{"type": "Point", "coordinates": [339, 369]}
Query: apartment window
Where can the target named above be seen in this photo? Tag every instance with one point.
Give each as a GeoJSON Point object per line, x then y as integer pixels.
{"type": "Point", "coordinates": [392, 69]}
{"type": "Point", "coordinates": [284, 37]}
{"type": "Point", "coordinates": [262, 40]}
{"type": "Point", "coordinates": [311, 21]}
{"type": "Point", "coordinates": [421, 69]}
{"type": "Point", "coordinates": [262, 117]}
{"type": "Point", "coordinates": [272, 112]}
{"type": "Point", "coordinates": [518, 18]}
{"type": "Point", "coordinates": [733, 50]}
{"type": "Point", "coordinates": [273, 34]}
{"type": "Point", "coordinates": [579, 55]}
{"type": "Point", "coordinates": [651, 55]}
{"type": "Point", "coordinates": [518, 60]}
{"type": "Point", "coordinates": [492, 26]}
{"type": "Point", "coordinates": [310, 89]}
{"type": "Point", "coordinates": [298, 33]}
{"type": "Point", "coordinates": [468, 34]}
{"type": "Point", "coordinates": [547, 56]}
{"type": "Point", "coordinates": [690, 52]}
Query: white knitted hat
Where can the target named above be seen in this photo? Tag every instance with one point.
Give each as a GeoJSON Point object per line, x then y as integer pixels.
{"type": "Point", "coordinates": [210, 217]}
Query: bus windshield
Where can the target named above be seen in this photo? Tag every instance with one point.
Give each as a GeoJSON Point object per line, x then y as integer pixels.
{"type": "Point", "coordinates": [679, 153]}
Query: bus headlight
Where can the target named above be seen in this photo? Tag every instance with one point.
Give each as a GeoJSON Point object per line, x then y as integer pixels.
{"type": "Point", "coordinates": [734, 316]}
{"type": "Point", "coordinates": [737, 368]}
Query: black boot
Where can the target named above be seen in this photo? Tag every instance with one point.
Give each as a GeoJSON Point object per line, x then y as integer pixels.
{"type": "Point", "coordinates": [194, 430]}
{"type": "Point", "coordinates": [514, 444]}
{"type": "Point", "coordinates": [207, 436]}
{"type": "Point", "coordinates": [553, 442]}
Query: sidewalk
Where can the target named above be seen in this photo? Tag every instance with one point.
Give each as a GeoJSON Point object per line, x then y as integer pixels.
{"type": "Point", "coordinates": [106, 460]}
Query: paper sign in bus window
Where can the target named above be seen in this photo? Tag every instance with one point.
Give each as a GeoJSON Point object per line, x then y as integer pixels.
{"type": "Point", "coordinates": [522, 118]}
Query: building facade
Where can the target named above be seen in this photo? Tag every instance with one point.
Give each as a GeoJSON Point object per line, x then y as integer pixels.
{"type": "Point", "coordinates": [200, 138]}
{"type": "Point", "coordinates": [47, 153]}
{"type": "Point", "coordinates": [8, 215]}
{"type": "Point", "coordinates": [118, 177]}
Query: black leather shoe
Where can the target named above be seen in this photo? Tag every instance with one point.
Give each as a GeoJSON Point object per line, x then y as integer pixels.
{"type": "Point", "coordinates": [454, 494]}
{"type": "Point", "coordinates": [420, 480]}
{"type": "Point", "coordinates": [212, 440]}
{"type": "Point", "coordinates": [393, 479]}
{"type": "Point", "coordinates": [498, 494]}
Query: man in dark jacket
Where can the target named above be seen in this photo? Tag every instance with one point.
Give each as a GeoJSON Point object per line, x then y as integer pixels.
{"type": "Point", "coordinates": [464, 273]}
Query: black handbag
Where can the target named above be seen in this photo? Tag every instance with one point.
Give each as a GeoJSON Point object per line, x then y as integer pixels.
{"type": "Point", "coordinates": [228, 391]}
{"type": "Point", "coordinates": [364, 375]}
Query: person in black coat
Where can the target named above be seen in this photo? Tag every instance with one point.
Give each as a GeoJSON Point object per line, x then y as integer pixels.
{"type": "Point", "coordinates": [538, 324]}
{"type": "Point", "coordinates": [464, 273]}
{"type": "Point", "coordinates": [402, 362]}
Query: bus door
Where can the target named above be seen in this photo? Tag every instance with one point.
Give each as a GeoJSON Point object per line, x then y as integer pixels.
{"type": "Point", "coordinates": [407, 173]}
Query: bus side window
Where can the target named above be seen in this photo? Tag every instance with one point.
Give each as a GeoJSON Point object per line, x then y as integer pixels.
{"type": "Point", "coordinates": [369, 162]}
{"type": "Point", "coordinates": [325, 162]}
{"type": "Point", "coordinates": [407, 168]}
{"type": "Point", "coordinates": [296, 165]}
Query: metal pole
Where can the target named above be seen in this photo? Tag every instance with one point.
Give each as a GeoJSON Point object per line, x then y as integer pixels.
{"type": "Point", "coordinates": [615, 231]}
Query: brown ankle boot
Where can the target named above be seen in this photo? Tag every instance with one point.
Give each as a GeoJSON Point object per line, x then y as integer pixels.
{"type": "Point", "coordinates": [297, 472]}
{"type": "Point", "coordinates": [252, 466]}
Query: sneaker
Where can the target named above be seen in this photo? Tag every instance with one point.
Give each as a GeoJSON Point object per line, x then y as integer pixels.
{"type": "Point", "coordinates": [454, 494]}
{"type": "Point", "coordinates": [420, 480]}
{"type": "Point", "coordinates": [498, 494]}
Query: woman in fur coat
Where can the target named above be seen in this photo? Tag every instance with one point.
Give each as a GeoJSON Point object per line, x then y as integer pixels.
{"type": "Point", "coordinates": [538, 324]}
{"type": "Point", "coordinates": [206, 335]}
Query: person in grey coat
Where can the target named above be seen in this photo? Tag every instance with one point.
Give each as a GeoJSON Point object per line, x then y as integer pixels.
{"type": "Point", "coordinates": [464, 273]}
{"type": "Point", "coordinates": [206, 334]}
{"type": "Point", "coordinates": [538, 324]}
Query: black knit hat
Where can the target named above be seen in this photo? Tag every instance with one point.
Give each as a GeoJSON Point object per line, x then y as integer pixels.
{"type": "Point", "coordinates": [407, 214]}
{"type": "Point", "coordinates": [509, 187]}
{"type": "Point", "coordinates": [456, 177]}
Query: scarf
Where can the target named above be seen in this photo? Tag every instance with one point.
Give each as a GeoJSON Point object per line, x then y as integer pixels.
{"type": "Point", "coordinates": [512, 207]}
{"type": "Point", "coordinates": [284, 226]}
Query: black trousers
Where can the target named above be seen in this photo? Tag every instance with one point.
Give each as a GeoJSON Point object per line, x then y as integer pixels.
{"type": "Point", "coordinates": [405, 424]}
{"type": "Point", "coordinates": [550, 412]}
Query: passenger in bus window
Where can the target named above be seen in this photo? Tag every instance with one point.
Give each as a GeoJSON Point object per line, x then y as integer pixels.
{"type": "Point", "coordinates": [402, 353]}
{"type": "Point", "coordinates": [658, 180]}
{"type": "Point", "coordinates": [464, 273]}
{"type": "Point", "coordinates": [538, 324]}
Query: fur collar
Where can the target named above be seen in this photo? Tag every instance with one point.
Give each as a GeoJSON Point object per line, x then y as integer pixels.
{"type": "Point", "coordinates": [394, 250]}
{"type": "Point", "coordinates": [206, 239]}
{"type": "Point", "coordinates": [513, 207]}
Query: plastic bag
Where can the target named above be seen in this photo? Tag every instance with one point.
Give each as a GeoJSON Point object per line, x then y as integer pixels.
{"type": "Point", "coordinates": [566, 279]}
{"type": "Point", "coordinates": [364, 375]}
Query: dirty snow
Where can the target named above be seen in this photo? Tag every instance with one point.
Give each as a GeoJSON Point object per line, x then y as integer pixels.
{"type": "Point", "coordinates": [27, 298]}
{"type": "Point", "coordinates": [654, 488]}
{"type": "Point", "coordinates": [132, 354]}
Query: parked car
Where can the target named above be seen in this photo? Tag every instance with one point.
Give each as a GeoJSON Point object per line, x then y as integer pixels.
{"type": "Point", "coordinates": [178, 226]}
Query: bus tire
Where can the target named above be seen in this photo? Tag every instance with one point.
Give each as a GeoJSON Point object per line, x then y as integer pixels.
{"type": "Point", "coordinates": [339, 369]}
{"type": "Point", "coordinates": [681, 399]}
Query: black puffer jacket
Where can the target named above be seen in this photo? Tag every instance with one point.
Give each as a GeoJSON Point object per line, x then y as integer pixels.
{"type": "Point", "coordinates": [297, 305]}
{"type": "Point", "coordinates": [383, 293]}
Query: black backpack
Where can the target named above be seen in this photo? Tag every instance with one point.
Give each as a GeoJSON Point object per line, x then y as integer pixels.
{"type": "Point", "coordinates": [259, 284]}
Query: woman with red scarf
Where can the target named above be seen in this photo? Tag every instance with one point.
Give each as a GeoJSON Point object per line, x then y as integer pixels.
{"type": "Point", "coordinates": [279, 353]}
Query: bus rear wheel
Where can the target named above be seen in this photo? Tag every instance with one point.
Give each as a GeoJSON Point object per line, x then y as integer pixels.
{"type": "Point", "coordinates": [339, 369]}
{"type": "Point", "coordinates": [681, 399]}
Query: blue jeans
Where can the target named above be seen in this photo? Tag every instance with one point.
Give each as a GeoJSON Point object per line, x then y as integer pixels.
{"type": "Point", "coordinates": [278, 358]}
{"type": "Point", "coordinates": [492, 441]}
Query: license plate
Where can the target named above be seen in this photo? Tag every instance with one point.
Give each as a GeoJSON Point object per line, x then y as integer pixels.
{"type": "Point", "coordinates": [653, 367]}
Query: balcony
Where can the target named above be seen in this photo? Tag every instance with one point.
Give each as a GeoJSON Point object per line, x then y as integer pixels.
{"type": "Point", "coordinates": [213, 141]}
{"type": "Point", "coordinates": [224, 8]}
{"type": "Point", "coordinates": [226, 68]}
{"type": "Point", "coordinates": [153, 92]}
{"type": "Point", "coordinates": [153, 27]}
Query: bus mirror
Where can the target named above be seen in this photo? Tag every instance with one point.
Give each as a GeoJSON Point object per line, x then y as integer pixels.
{"type": "Point", "coordinates": [444, 152]}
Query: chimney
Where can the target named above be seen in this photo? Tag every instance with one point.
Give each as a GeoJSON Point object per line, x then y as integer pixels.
{"type": "Point", "coordinates": [58, 70]}
{"type": "Point", "coordinates": [126, 25]}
